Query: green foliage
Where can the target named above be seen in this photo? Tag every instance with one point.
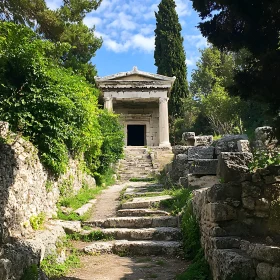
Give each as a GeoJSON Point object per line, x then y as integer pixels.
{"type": "Point", "coordinates": [82, 197]}
{"type": "Point", "coordinates": [113, 140]}
{"type": "Point", "coordinates": [169, 54]}
{"type": "Point", "coordinates": [37, 222]}
{"type": "Point", "coordinates": [30, 273]}
{"type": "Point", "coordinates": [66, 187]}
{"type": "Point", "coordinates": [264, 158]}
{"type": "Point", "coordinates": [199, 268]}
{"type": "Point", "coordinates": [74, 202]}
{"type": "Point", "coordinates": [49, 186]}
{"type": "Point", "coordinates": [54, 108]}
{"type": "Point", "coordinates": [52, 268]}
{"type": "Point", "coordinates": [95, 235]}
{"type": "Point", "coordinates": [63, 25]}
{"type": "Point", "coordinates": [179, 200]}
{"type": "Point", "coordinates": [232, 25]}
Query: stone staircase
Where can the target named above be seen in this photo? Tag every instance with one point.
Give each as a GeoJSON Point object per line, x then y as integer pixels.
{"type": "Point", "coordinates": [140, 227]}
{"type": "Point", "coordinates": [137, 163]}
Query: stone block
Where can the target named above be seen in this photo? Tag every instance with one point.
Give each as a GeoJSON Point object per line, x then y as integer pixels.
{"type": "Point", "coordinates": [180, 149]}
{"type": "Point", "coordinates": [228, 143]}
{"type": "Point", "coordinates": [224, 192]}
{"type": "Point", "coordinates": [204, 140]}
{"type": "Point", "coordinates": [231, 165]}
{"type": "Point", "coordinates": [227, 242]}
{"type": "Point", "coordinates": [204, 167]}
{"type": "Point", "coordinates": [264, 135]}
{"type": "Point", "coordinates": [267, 271]}
{"type": "Point", "coordinates": [200, 152]}
{"type": "Point", "coordinates": [188, 138]}
{"type": "Point", "coordinates": [195, 181]}
{"type": "Point", "coordinates": [243, 146]}
{"type": "Point", "coordinates": [5, 267]}
{"type": "Point", "coordinates": [265, 253]}
{"type": "Point", "coordinates": [218, 212]}
{"type": "Point", "coordinates": [4, 129]}
{"type": "Point", "coordinates": [231, 264]}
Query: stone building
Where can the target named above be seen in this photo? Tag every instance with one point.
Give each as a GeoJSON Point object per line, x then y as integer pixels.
{"type": "Point", "coordinates": [141, 99]}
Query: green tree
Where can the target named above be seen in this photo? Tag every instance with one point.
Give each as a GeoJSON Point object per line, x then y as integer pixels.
{"type": "Point", "coordinates": [254, 25]}
{"type": "Point", "coordinates": [56, 109]}
{"type": "Point", "coordinates": [169, 54]}
{"type": "Point", "coordinates": [64, 25]}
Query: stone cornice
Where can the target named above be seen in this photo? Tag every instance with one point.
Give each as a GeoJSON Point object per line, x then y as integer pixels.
{"type": "Point", "coordinates": [135, 71]}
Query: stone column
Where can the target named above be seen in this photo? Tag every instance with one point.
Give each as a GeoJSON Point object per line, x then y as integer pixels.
{"type": "Point", "coordinates": [163, 123]}
{"type": "Point", "coordinates": [108, 103]}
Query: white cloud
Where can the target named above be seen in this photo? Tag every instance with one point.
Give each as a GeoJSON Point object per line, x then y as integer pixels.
{"type": "Point", "coordinates": [192, 60]}
{"type": "Point", "coordinates": [91, 21]}
{"type": "Point", "coordinates": [182, 8]}
{"type": "Point", "coordinates": [141, 42]}
{"type": "Point", "coordinates": [54, 4]}
{"type": "Point", "coordinates": [197, 40]}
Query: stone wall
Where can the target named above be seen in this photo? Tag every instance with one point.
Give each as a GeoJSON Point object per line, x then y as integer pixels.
{"type": "Point", "coordinates": [147, 114]}
{"type": "Point", "coordinates": [26, 190]}
{"type": "Point", "coordinates": [239, 222]}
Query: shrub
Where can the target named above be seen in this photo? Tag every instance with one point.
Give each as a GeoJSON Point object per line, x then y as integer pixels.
{"type": "Point", "coordinates": [37, 222]}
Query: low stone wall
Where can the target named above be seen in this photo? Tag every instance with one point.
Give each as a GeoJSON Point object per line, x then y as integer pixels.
{"type": "Point", "coordinates": [239, 222]}
{"type": "Point", "coordinates": [26, 190]}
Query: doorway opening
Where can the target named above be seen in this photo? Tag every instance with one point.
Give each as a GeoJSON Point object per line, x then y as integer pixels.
{"type": "Point", "coordinates": [136, 135]}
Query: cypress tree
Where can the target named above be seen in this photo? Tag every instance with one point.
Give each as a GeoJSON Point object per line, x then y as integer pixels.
{"type": "Point", "coordinates": [170, 57]}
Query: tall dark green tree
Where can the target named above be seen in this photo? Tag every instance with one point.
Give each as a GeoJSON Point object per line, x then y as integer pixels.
{"type": "Point", "coordinates": [254, 25]}
{"type": "Point", "coordinates": [170, 57]}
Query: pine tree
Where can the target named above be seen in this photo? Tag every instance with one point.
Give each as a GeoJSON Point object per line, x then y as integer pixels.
{"type": "Point", "coordinates": [169, 53]}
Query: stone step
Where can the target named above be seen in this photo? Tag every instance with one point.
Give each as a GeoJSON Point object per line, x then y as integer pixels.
{"type": "Point", "coordinates": [140, 212]}
{"type": "Point", "coordinates": [159, 233]}
{"type": "Point", "coordinates": [135, 222]}
{"type": "Point", "coordinates": [141, 194]}
{"type": "Point", "coordinates": [145, 202]}
{"type": "Point", "coordinates": [135, 248]}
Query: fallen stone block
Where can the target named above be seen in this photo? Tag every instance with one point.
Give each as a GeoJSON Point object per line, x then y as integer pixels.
{"type": "Point", "coordinates": [200, 152]}
{"type": "Point", "coordinates": [232, 165]}
{"type": "Point", "coordinates": [204, 140]}
{"type": "Point", "coordinates": [68, 226]}
{"type": "Point", "coordinates": [188, 138]}
{"type": "Point", "coordinates": [204, 167]}
{"type": "Point", "coordinates": [243, 146]}
{"type": "Point", "coordinates": [228, 143]}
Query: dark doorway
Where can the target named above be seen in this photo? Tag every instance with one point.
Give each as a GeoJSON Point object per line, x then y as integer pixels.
{"type": "Point", "coordinates": [136, 135]}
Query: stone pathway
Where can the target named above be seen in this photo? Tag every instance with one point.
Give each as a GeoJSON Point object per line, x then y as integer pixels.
{"type": "Point", "coordinates": [146, 241]}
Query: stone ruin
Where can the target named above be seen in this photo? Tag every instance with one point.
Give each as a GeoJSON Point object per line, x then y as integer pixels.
{"type": "Point", "coordinates": [238, 211]}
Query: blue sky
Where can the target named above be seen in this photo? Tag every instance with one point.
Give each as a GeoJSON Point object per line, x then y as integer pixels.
{"type": "Point", "coordinates": [127, 29]}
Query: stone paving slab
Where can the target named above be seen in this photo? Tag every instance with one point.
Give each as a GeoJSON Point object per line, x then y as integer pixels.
{"type": "Point", "coordinates": [141, 212]}
{"type": "Point", "coordinates": [85, 208]}
{"type": "Point", "coordinates": [137, 248]}
{"type": "Point", "coordinates": [145, 202]}
{"type": "Point", "coordinates": [135, 222]}
{"type": "Point", "coordinates": [160, 233]}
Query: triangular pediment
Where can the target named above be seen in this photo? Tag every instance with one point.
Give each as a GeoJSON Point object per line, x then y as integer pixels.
{"type": "Point", "coordinates": [135, 75]}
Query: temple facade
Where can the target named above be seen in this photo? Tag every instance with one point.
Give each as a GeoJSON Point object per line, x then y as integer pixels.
{"type": "Point", "coordinates": [141, 100]}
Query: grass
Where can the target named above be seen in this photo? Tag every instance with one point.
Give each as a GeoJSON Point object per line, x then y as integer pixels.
{"type": "Point", "coordinates": [95, 235]}
{"type": "Point", "coordinates": [178, 202]}
{"type": "Point", "coordinates": [199, 268]}
{"type": "Point", "coordinates": [149, 179]}
{"type": "Point", "coordinates": [76, 201]}
{"type": "Point", "coordinates": [52, 268]}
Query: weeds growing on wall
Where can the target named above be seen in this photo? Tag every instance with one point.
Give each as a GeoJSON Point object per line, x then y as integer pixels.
{"type": "Point", "coordinates": [199, 268]}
